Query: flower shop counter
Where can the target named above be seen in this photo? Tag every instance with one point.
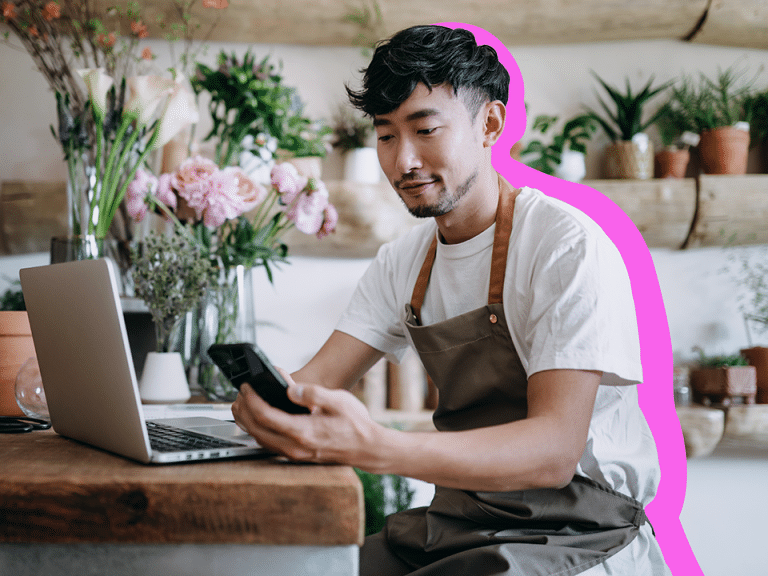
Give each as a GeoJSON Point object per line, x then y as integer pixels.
{"type": "Point", "coordinates": [66, 508]}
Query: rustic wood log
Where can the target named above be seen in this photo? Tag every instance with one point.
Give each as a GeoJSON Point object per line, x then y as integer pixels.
{"type": "Point", "coordinates": [732, 211]}
{"type": "Point", "coordinates": [662, 209]}
{"type": "Point", "coordinates": [515, 22]}
{"type": "Point", "coordinates": [735, 23]}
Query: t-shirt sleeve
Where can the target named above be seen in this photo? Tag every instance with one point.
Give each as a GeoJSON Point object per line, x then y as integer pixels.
{"type": "Point", "coordinates": [373, 315]}
{"type": "Point", "coordinates": [581, 312]}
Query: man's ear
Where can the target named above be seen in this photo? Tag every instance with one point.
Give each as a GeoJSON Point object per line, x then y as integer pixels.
{"type": "Point", "coordinates": [495, 114]}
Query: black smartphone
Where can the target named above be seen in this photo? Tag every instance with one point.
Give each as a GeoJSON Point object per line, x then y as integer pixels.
{"type": "Point", "coordinates": [244, 362]}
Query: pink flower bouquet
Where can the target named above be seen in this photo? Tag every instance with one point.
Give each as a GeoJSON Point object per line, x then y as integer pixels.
{"type": "Point", "coordinates": [236, 219]}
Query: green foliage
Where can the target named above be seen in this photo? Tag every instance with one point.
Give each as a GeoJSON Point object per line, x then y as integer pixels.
{"type": "Point", "coordinates": [711, 104]}
{"type": "Point", "coordinates": [246, 98]}
{"type": "Point", "coordinates": [250, 98]}
{"type": "Point", "coordinates": [370, 24]}
{"type": "Point", "coordinates": [350, 131]}
{"type": "Point", "coordinates": [758, 109]}
{"type": "Point", "coordinates": [246, 244]}
{"type": "Point", "coordinates": [13, 299]}
{"type": "Point", "coordinates": [722, 361]}
{"type": "Point", "coordinates": [625, 119]}
{"type": "Point", "coordinates": [171, 275]}
{"type": "Point", "coordinates": [574, 136]}
{"type": "Point", "coordinates": [381, 501]}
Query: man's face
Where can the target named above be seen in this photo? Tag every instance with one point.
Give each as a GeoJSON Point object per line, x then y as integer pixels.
{"type": "Point", "coordinates": [429, 149]}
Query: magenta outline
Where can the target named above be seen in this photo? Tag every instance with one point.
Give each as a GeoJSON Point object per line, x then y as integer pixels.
{"type": "Point", "coordinates": [655, 394]}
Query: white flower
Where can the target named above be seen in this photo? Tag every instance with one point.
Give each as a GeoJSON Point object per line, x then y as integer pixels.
{"type": "Point", "coordinates": [98, 83]}
{"type": "Point", "coordinates": [180, 111]}
{"type": "Point", "coordinates": [146, 93]}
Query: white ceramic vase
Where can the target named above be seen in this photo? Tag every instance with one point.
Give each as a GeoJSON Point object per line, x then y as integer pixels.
{"type": "Point", "coordinates": [163, 380]}
{"type": "Point", "coordinates": [572, 166]}
{"type": "Point", "coordinates": [362, 165]}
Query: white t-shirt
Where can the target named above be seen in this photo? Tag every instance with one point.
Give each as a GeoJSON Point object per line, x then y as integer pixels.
{"type": "Point", "coordinates": [569, 305]}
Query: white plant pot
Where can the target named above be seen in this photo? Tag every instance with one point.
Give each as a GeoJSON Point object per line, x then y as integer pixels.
{"type": "Point", "coordinates": [163, 380]}
{"type": "Point", "coordinates": [362, 165]}
{"type": "Point", "coordinates": [572, 166]}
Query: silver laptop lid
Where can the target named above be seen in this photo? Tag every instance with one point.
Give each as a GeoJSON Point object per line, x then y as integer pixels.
{"type": "Point", "coordinates": [85, 360]}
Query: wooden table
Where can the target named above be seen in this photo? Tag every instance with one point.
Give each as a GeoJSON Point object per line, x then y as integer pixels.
{"type": "Point", "coordinates": [66, 507]}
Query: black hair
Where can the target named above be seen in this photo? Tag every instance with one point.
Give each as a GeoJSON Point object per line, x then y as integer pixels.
{"type": "Point", "coordinates": [431, 55]}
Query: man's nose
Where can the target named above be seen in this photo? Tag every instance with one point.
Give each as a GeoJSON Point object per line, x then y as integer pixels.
{"type": "Point", "coordinates": [408, 158]}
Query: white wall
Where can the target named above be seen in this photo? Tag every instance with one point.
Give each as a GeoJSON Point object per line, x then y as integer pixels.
{"type": "Point", "coordinates": [300, 309]}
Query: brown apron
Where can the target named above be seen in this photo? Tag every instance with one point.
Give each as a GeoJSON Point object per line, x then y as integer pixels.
{"type": "Point", "coordinates": [481, 382]}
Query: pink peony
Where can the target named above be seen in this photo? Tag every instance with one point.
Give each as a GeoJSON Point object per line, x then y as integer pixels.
{"type": "Point", "coordinates": [330, 219]}
{"type": "Point", "coordinates": [287, 181]}
{"type": "Point", "coordinates": [250, 193]}
{"type": "Point", "coordinates": [192, 182]}
{"type": "Point", "coordinates": [307, 212]}
{"type": "Point", "coordinates": [143, 184]}
{"type": "Point", "coordinates": [222, 202]}
{"type": "Point", "coordinates": [165, 192]}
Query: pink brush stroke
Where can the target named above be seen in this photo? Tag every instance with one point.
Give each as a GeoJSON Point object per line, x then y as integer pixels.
{"type": "Point", "coordinates": [655, 394]}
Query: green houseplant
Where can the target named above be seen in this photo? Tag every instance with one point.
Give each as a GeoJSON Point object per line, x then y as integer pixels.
{"type": "Point", "coordinates": [724, 379]}
{"type": "Point", "coordinates": [351, 135]}
{"type": "Point", "coordinates": [630, 154]}
{"type": "Point", "coordinates": [171, 274]}
{"type": "Point", "coordinates": [676, 137]}
{"type": "Point", "coordinates": [566, 149]}
{"type": "Point", "coordinates": [719, 111]}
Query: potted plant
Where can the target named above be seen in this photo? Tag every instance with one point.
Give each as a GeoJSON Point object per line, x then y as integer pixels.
{"type": "Point", "coordinates": [757, 104]}
{"type": "Point", "coordinates": [351, 135]}
{"type": "Point", "coordinates": [677, 137]}
{"type": "Point", "coordinates": [171, 275]}
{"type": "Point", "coordinates": [255, 117]}
{"type": "Point", "coordinates": [752, 274]}
{"type": "Point", "coordinates": [719, 111]}
{"type": "Point", "coordinates": [724, 380]}
{"type": "Point", "coordinates": [564, 155]}
{"type": "Point", "coordinates": [630, 154]}
{"type": "Point", "coordinates": [16, 347]}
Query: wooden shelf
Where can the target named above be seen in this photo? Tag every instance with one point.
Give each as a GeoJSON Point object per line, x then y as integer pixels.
{"type": "Point", "coordinates": [517, 22]}
{"type": "Point", "coordinates": [669, 213]}
{"type": "Point", "coordinates": [694, 212]}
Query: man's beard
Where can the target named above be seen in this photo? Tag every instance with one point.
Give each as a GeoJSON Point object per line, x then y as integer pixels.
{"type": "Point", "coordinates": [445, 201]}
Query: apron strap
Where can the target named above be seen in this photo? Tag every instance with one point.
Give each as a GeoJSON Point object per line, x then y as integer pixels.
{"type": "Point", "coordinates": [504, 216]}
{"type": "Point", "coordinates": [420, 289]}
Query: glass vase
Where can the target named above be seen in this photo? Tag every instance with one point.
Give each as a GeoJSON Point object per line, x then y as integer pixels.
{"type": "Point", "coordinates": [226, 314]}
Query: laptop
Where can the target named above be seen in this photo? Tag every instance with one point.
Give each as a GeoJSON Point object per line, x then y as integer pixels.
{"type": "Point", "coordinates": [89, 378]}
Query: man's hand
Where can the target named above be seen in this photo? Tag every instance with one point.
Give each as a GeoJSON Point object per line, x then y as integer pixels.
{"type": "Point", "coordinates": [338, 429]}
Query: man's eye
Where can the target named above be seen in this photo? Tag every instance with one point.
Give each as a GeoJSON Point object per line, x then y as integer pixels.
{"type": "Point", "coordinates": [385, 137]}
{"type": "Point", "coordinates": [426, 131]}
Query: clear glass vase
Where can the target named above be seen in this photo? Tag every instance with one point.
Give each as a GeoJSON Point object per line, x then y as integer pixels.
{"type": "Point", "coordinates": [225, 315]}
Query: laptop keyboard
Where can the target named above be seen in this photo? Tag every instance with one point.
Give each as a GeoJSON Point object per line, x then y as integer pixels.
{"type": "Point", "coordinates": [164, 438]}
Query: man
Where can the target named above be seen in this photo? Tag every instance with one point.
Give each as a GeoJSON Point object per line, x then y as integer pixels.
{"type": "Point", "coordinates": [521, 311]}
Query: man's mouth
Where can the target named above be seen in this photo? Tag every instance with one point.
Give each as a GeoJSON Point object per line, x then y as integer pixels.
{"type": "Point", "coordinates": [415, 187]}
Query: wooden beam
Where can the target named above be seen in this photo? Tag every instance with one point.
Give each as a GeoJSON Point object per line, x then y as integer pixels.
{"type": "Point", "coordinates": [662, 209]}
{"type": "Point", "coordinates": [733, 210]}
{"type": "Point", "coordinates": [514, 22]}
{"type": "Point", "coordinates": [742, 23]}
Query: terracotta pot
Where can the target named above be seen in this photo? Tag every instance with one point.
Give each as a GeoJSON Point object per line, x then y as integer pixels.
{"type": "Point", "coordinates": [625, 159]}
{"type": "Point", "coordinates": [724, 150]}
{"type": "Point", "coordinates": [16, 347]}
{"type": "Point", "coordinates": [758, 357]}
{"type": "Point", "coordinates": [723, 385]}
{"type": "Point", "coordinates": [672, 163]}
